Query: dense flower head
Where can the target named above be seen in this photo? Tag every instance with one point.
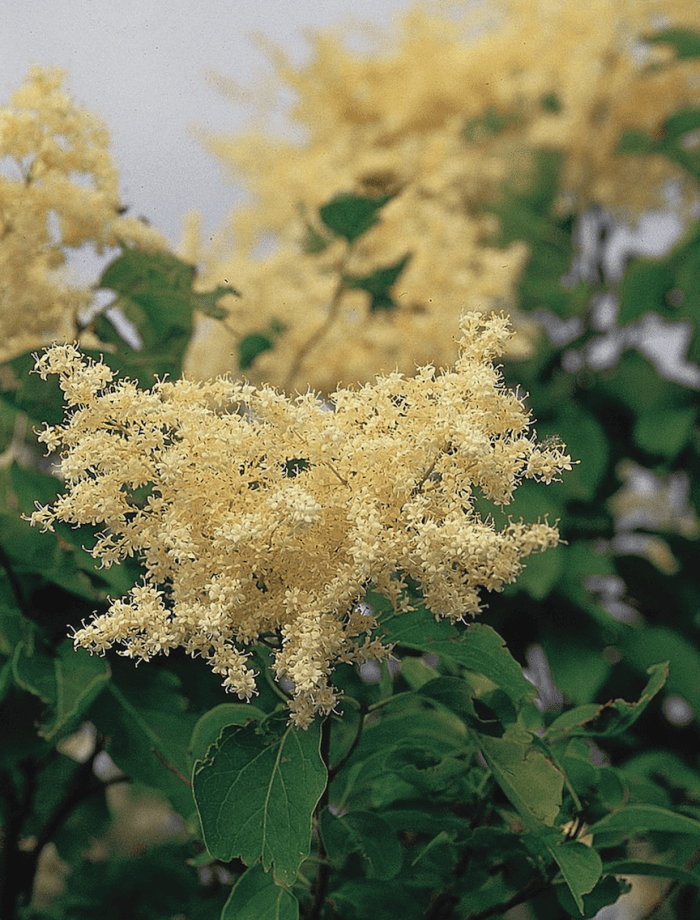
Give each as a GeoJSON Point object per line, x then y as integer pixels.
{"type": "Point", "coordinates": [262, 517]}
{"type": "Point", "coordinates": [448, 109]}
{"type": "Point", "coordinates": [59, 189]}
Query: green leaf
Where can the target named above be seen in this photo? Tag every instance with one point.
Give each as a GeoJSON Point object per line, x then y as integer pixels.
{"type": "Point", "coordinates": [67, 682]}
{"type": "Point", "coordinates": [666, 769]}
{"type": "Point", "coordinates": [350, 216]}
{"type": "Point", "coordinates": [664, 431]}
{"type": "Point", "coordinates": [158, 282]}
{"type": "Point", "coordinates": [41, 400]}
{"type": "Point", "coordinates": [154, 292]}
{"type": "Point", "coordinates": [587, 441]}
{"type": "Point", "coordinates": [637, 819]}
{"type": "Point", "coordinates": [654, 870]}
{"type": "Point", "coordinates": [491, 123]}
{"type": "Point", "coordinates": [209, 727]}
{"type": "Point", "coordinates": [531, 782]}
{"type": "Point", "coordinates": [255, 896]}
{"type": "Point", "coordinates": [256, 796]}
{"type": "Point", "coordinates": [314, 242]}
{"type": "Point", "coordinates": [635, 142]}
{"type": "Point", "coordinates": [143, 715]}
{"type": "Point", "coordinates": [607, 891]}
{"type": "Point", "coordinates": [679, 124]}
{"type": "Point", "coordinates": [643, 289]}
{"type": "Point", "coordinates": [378, 284]}
{"type": "Point", "coordinates": [580, 866]}
{"type": "Point", "coordinates": [486, 713]}
{"type": "Point", "coordinates": [686, 42]}
{"type": "Point", "coordinates": [356, 899]}
{"type": "Point", "coordinates": [644, 647]}
{"type": "Point", "coordinates": [138, 272]}
{"type": "Point", "coordinates": [477, 647]}
{"type": "Point", "coordinates": [250, 347]}
{"type": "Point", "coordinates": [611, 718]}
{"type": "Point", "coordinates": [207, 302]}
{"type": "Point", "coordinates": [370, 835]}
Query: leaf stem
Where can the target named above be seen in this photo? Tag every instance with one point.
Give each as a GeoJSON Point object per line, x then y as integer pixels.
{"type": "Point", "coordinates": [316, 336]}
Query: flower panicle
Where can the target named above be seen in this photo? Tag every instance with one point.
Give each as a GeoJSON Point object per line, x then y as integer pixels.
{"type": "Point", "coordinates": [273, 521]}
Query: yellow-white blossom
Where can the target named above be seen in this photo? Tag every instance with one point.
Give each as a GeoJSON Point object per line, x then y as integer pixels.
{"type": "Point", "coordinates": [59, 189]}
{"type": "Point", "coordinates": [261, 516]}
{"type": "Point", "coordinates": [449, 108]}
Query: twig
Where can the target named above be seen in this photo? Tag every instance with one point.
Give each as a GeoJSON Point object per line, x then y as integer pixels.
{"type": "Point", "coordinates": [316, 337]}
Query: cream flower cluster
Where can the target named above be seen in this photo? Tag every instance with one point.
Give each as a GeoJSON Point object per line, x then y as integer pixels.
{"type": "Point", "coordinates": [263, 517]}
{"type": "Point", "coordinates": [59, 189]}
{"type": "Point", "coordinates": [440, 116]}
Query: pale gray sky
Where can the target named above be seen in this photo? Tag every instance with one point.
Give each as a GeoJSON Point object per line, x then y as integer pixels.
{"type": "Point", "coordinates": [141, 66]}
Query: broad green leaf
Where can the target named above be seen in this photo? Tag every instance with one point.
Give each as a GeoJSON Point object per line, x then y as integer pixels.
{"type": "Point", "coordinates": [144, 717]}
{"type": "Point", "coordinates": [423, 817]}
{"type": "Point", "coordinates": [607, 891]}
{"type": "Point", "coordinates": [42, 400]}
{"type": "Point", "coordinates": [580, 866]}
{"type": "Point", "coordinates": [636, 142]}
{"type": "Point", "coordinates": [314, 242]}
{"type": "Point", "coordinates": [454, 693]}
{"type": "Point", "coordinates": [643, 289]}
{"type": "Point", "coordinates": [644, 647]}
{"type": "Point", "coordinates": [665, 768]}
{"type": "Point", "coordinates": [420, 772]}
{"type": "Point", "coordinates": [255, 896]}
{"type": "Point", "coordinates": [48, 557]}
{"type": "Point", "coordinates": [611, 718]}
{"type": "Point", "coordinates": [416, 673]}
{"type": "Point", "coordinates": [477, 647]}
{"type": "Point", "coordinates": [378, 284]}
{"type": "Point", "coordinates": [637, 819]}
{"type": "Point", "coordinates": [59, 782]}
{"type": "Point", "coordinates": [600, 783]}
{"type": "Point", "coordinates": [207, 302]}
{"type": "Point", "coordinates": [367, 833]}
{"type": "Point", "coordinates": [67, 682]}
{"type": "Point", "coordinates": [209, 727]}
{"type": "Point", "coordinates": [437, 842]}
{"type": "Point", "coordinates": [254, 344]}
{"type": "Point", "coordinates": [530, 781]}
{"type": "Point", "coordinates": [256, 796]}
{"type": "Point", "coordinates": [250, 347]}
{"type": "Point", "coordinates": [379, 900]}
{"type": "Point", "coordinates": [664, 431]}
{"type": "Point", "coordinates": [686, 42]}
{"type": "Point", "coordinates": [484, 710]}
{"type": "Point", "coordinates": [680, 123]}
{"type": "Point", "coordinates": [580, 676]}
{"type": "Point", "coordinates": [442, 735]}
{"type": "Point", "coordinates": [350, 216]}
{"type": "Point", "coordinates": [491, 123]}
{"type": "Point", "coordinates": [586, 440]}
{"type": "Point", "coordinates": [6, 678]}
{"type": "Point", "coordinates": [654, 870]}
{"type": "Point", "coordinates": [138, 272]}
